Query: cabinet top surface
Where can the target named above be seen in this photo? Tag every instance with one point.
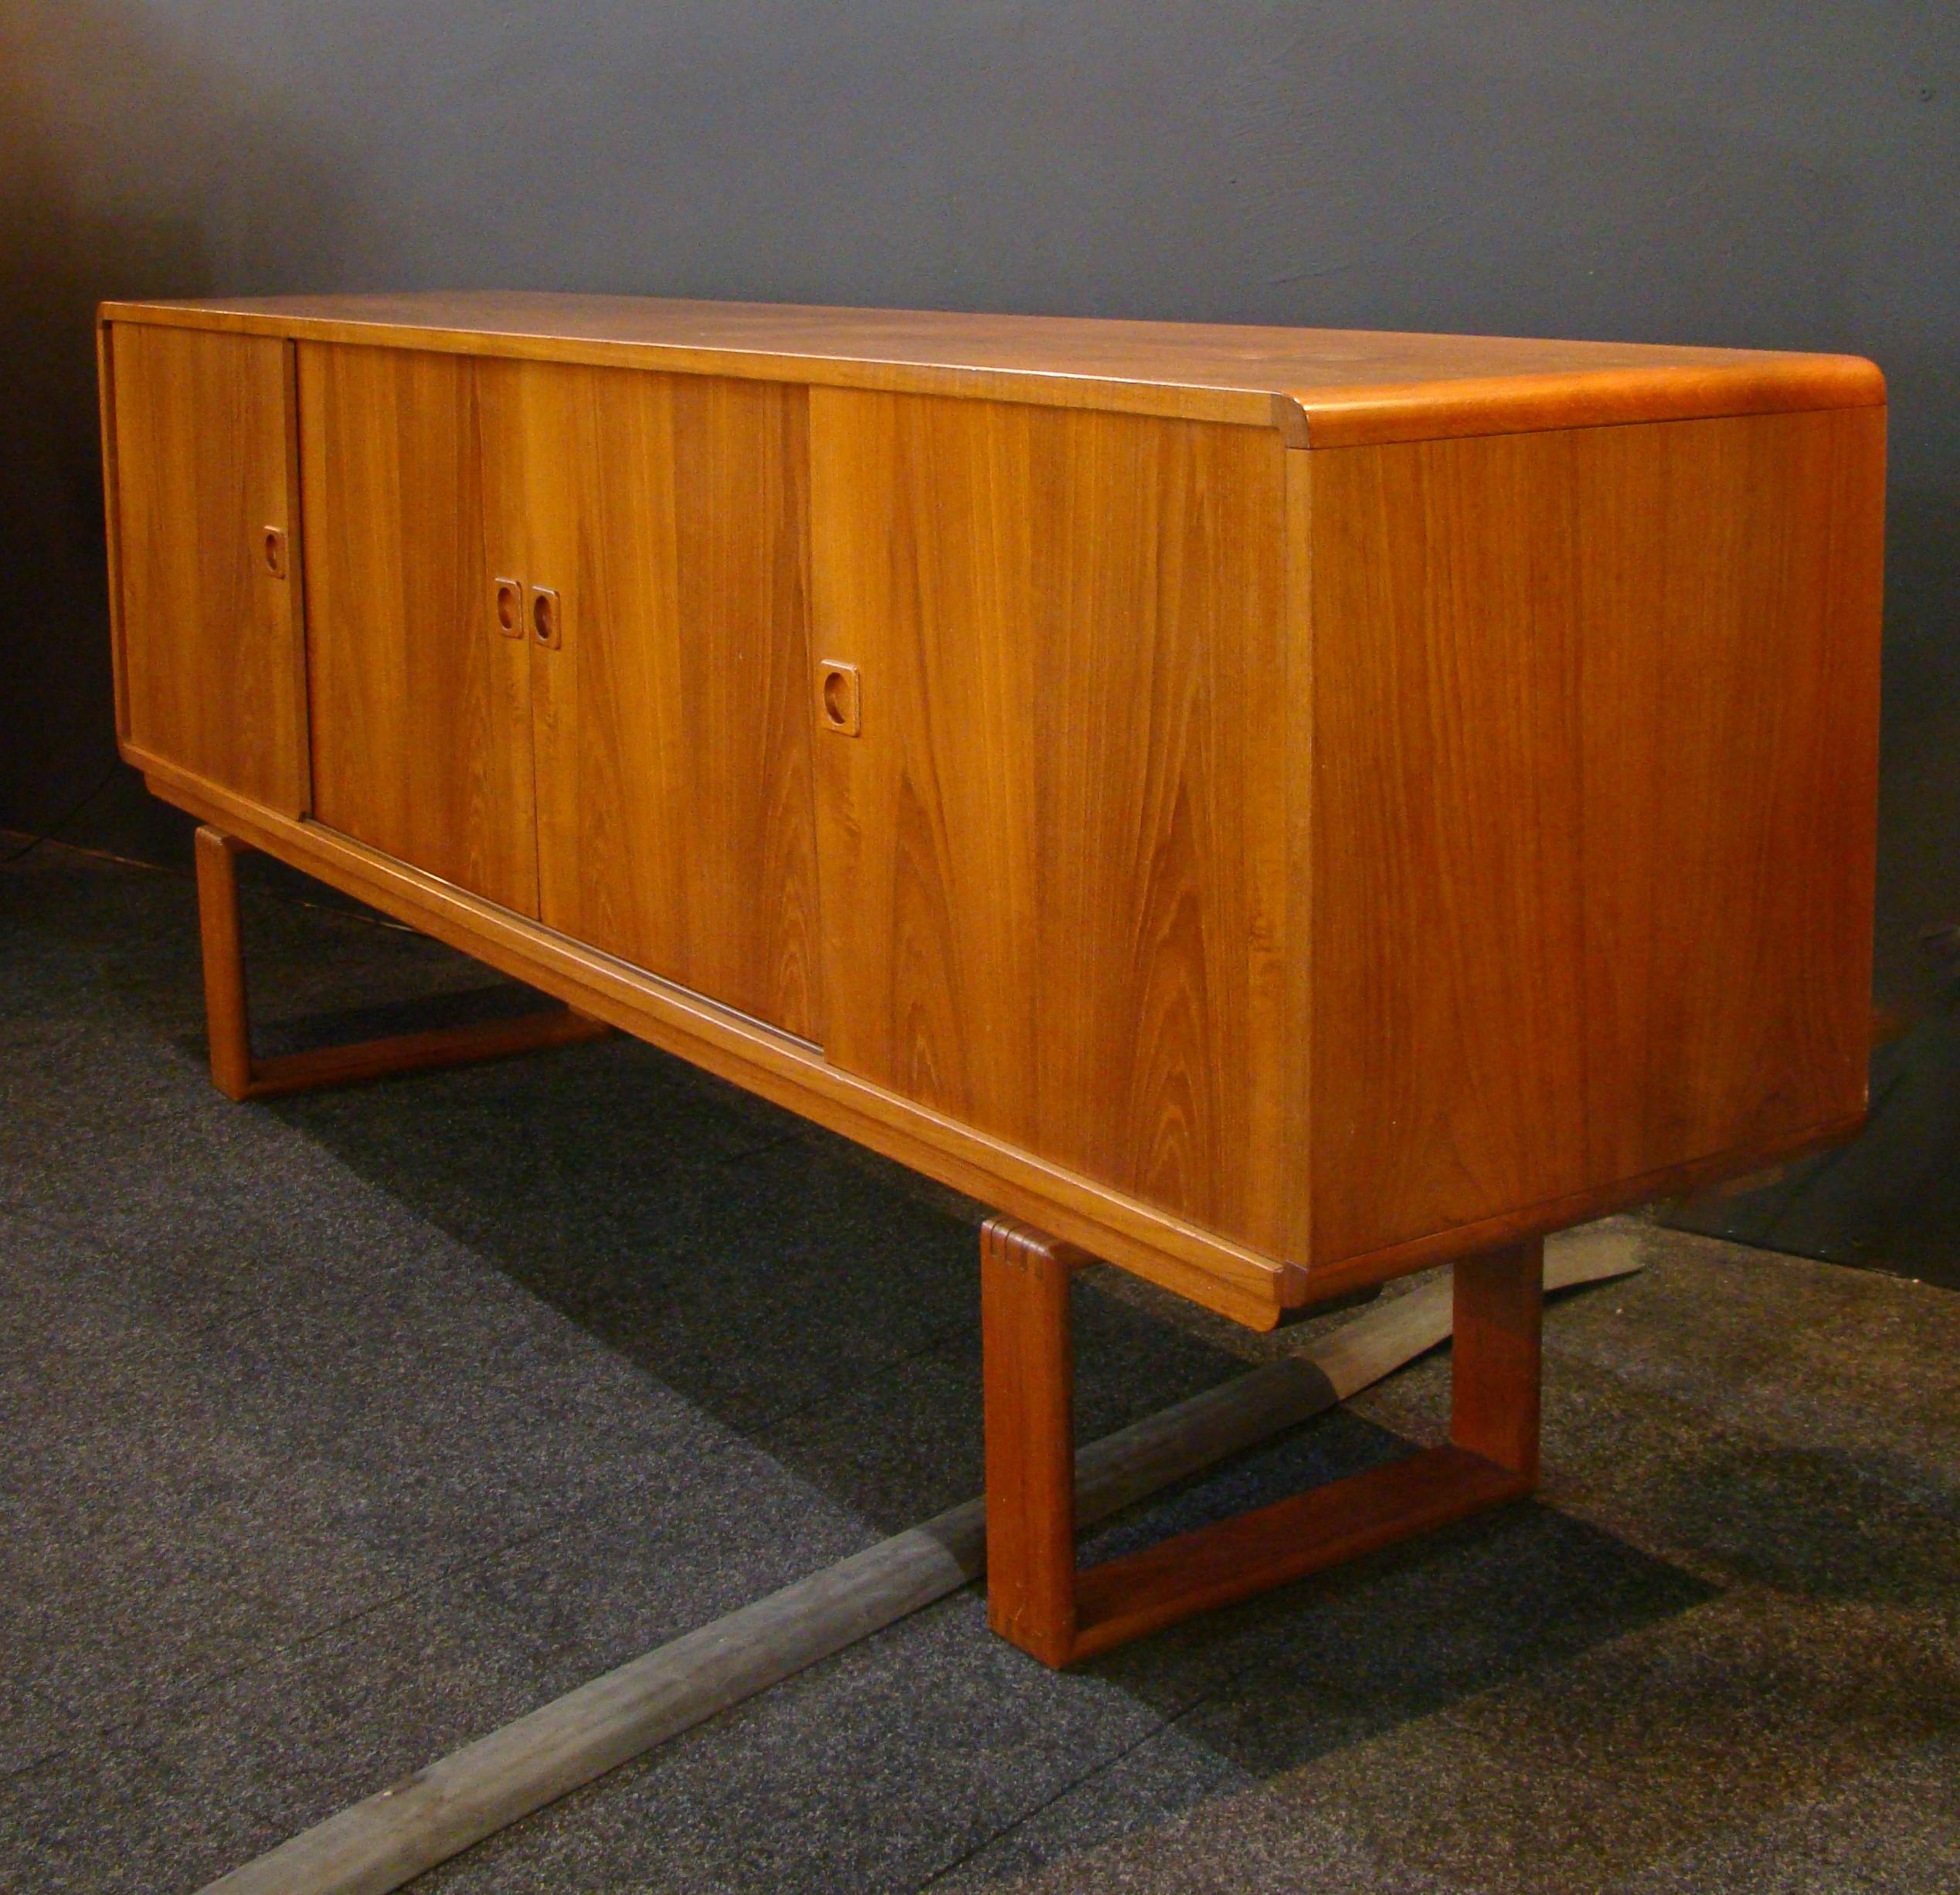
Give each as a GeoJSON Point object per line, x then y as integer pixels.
{"type": "Point", "coordinates": [1322, 387]}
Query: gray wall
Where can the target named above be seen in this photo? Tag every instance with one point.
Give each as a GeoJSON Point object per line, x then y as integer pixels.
{"type": "Point", "coordinates": [1786, 176]}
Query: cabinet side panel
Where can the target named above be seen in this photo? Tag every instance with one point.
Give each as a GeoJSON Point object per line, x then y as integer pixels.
{"type": "Point", "coordinates": [1595, 771]}
{"type": "Point", "coordinates": [1297, 1050]}
{"type": "Point", "coordinates": [420, 706]}
{"type": "Point", "coordinates": [211, 675]}
{"type": "Point", "coordinates": [676, 820]}
{"type": "Point", "coordinates": [1055, 859]}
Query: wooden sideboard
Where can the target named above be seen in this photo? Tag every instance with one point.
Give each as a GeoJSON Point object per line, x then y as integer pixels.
{"type": "Point", "coordinates": [1271, 809]}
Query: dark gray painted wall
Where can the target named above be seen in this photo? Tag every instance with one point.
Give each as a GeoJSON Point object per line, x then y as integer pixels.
{"type": "Point", "coordinates": [1774, 176]}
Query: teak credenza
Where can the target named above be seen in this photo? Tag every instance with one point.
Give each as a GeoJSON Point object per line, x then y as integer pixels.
{"type": "Point", "coordinates": [1272, 809]}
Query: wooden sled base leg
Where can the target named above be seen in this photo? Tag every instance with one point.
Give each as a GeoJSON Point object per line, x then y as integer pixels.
{"type": "Point", "coordinates": [1038, 1599]}
{"type": "Point", "coordinates": [238, 1075]}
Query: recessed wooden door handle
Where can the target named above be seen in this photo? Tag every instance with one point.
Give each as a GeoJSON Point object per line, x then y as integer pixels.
{"type": "Point", "coordinates": [547, 617]}
{"type": "Point", "coordinates": [273, 547]}
{"type": "Point", "coordinates": [840, 702]}
{"type": "Point", "coordinates": [507, 604]}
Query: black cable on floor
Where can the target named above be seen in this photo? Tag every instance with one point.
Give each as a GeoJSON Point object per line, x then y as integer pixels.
{"type": "Point", "coordinates": [61, 822]}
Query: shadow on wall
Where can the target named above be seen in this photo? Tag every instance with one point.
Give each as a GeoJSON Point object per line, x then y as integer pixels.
{"type": "Point", "coordinates": [1919, 789]}
{"type": "Point", "coordinates": [111, 151]}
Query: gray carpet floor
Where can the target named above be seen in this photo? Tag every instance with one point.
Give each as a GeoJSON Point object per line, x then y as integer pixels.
{"type": "Point", "coordinates": [339, 1430]}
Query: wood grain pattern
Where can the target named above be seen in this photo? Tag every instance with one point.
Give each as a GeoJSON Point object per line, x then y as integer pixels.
{"type": "Point", "coordinates": [1319, 387]}
{"type": "Point", "coordinates": [1054, 859]}
{"type": "Point", "coordinates": [227, 1017]}
{"type": "Point", "coordinates": [1251, 1553]}
{"type": "Point", "coordinates": [1594, 756]}
{"type": "Point", "coordinates": [676, 810]}
{"type": "Point", "coordinates": [211, 640]}
{"type": "Point", "coordinates": [1038, 1599]}
{"type": "Point", "coordinates": [1297, 1103]}
{"type": "Point", "coordinates": [1271, 869]}
{"type": "Point", "coordinates": [237, 1074]}
{"type": "Point", "coordinates": [1029, 1378]}
{"type": "Point", "coordinates": [421, 708]}
{"type": "Point", "coordinates": [1498, 1306]}
{"type": "Point", "coordinates": [1159, 1247]}
{"type": "Point", "coordinates": [359, 1061]}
